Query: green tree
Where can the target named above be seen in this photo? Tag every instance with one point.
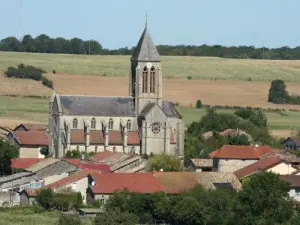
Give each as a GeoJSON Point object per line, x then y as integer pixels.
{"type": "Point", "coordinates": [116, 217]}
{"type": "Point", "coordinates": [165, 162]}
{"type": "Point", "coordinates": [8, 151]}
{"type": "Point", "coordinates": [198, 104]}
{"type": "Point", "coordinates": [69, 219]}
{"type": "Point", "coordinates": [45, 151]}
{"type": "Point", "coordinates": [45, 197]}
{"type": "Point", "coordinates": [239, 140]}
{"type": "Point", "coordinates": [263, 200]}
{"type": "Point", "coordinates": [278, 93]}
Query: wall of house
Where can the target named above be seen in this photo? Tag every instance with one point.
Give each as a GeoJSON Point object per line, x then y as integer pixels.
{"type": "Point", "coordinates": [282, 169]}
{"type": "Point", "coordinates": [290, 144]}
{"type": "Point", "coordinates": [102, 197]}
{"type": "Point", "coordinates": [30, 152]}
{"type": "Point", "coordinates": [232, 165]}
{"type": "Point", "coordinates": [24, 200]}
{"type": "Point", "coordinates": [78, 186]}
{"type": "Point", "coordinates": [53, 178]}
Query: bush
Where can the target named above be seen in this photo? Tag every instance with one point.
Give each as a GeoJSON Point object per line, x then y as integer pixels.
{"type": "Point", "coordinates": [69, 219]}
{"type": "Point", "coordinates": [54, 71]}
{"type": "Point", "coordinates": [45, 151]}
{"type": "Point", "coordinates": [46, 82]}
{"type": "Point", "coordinates": [198, 104]}
{"type": "Point", "coordinates": [189, 77]}
{"type": "Point", "coordinates": [45, 198]}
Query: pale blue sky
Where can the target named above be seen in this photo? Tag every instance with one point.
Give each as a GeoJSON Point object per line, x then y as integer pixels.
{"type": "Point", "coordinates": [119, 23]}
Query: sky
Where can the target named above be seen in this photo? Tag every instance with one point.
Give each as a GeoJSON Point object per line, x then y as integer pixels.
{"type": "Point", "coordinates": [119, 23]}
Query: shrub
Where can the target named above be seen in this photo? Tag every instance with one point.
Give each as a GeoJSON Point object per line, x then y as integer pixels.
{"type": "Point", "coordinates": [189, 77]}
{"type": "Point", "coordinates": [45, 198]}
{"type": "Point", "coordinates": [277, 92]}
{"type": "Point", "coordinates": [198, 104]}
{"type": "Point", "coordinates": [54, 71]}
{"type": "Point", "coordinates": [45, 151]}
{"type": "Point", "coordinates": [69, 219]}
{"type": "Point", "coordinates": [46, 82]}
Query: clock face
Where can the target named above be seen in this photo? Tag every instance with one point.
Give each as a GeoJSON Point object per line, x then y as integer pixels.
{"type": "Point", "coordinates": [155, 128]}
{"type": "Point", "coordinates": [149, 64]}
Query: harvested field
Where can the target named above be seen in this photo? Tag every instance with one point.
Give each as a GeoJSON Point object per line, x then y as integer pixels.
{"type": "Point", "coordinates": [173, 66]}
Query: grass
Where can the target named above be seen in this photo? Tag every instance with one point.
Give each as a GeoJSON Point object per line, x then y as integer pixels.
{"type": "Point", "coordinates": [173, 66]}
{"type": "Point", "coordinates": [36, 110]}
{"type": "Point", "coordinates": [47, 218]}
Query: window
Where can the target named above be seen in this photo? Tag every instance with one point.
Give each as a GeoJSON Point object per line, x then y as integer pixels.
{"type": "Point", "coordinates": [145, 79]}
{"type": "Point", "coordinates": [297, 191]}
{"type": "Point", "coordinates": [96, 149]}
{"type": "Point", "coordinates": [128, 125]}
{"type": "Point", "coordinates": [110, 124]}
{"type": "Point", "coordinates": [155, 128]}
{"type": "Point", "coordinates": [114, 149]}
{"type": "Point", "coordinates": [152, 80]}
{"type": "Point", "coordinates": [93, 123]}
{"type": "Point", "coordinates": [75, 123]}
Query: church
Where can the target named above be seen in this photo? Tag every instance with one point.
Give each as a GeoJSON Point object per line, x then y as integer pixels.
{"type": "Point", "coordinates": [141, 123]}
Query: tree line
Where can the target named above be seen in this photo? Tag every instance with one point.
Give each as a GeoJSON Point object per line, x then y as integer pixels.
{"type": "Point", "coordinates": [45, 44]}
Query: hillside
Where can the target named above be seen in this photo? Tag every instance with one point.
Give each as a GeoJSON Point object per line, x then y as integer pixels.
{"type": "Point", "coordinates": [173, 66]}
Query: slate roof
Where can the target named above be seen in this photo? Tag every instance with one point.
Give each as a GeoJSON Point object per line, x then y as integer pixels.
{"type": "Point", "coordinates": [146, 50]}
{"type": "Point", "coordinates": [241, 152]}
{"type": "Point", "coordinates": [170, 110]}
{"type": "Point", "coordinates": [97, 105]}
{"type": "Point", "coordinates": [42, 164]}
{"type": "Point", "coordinates": [295, 139]}
{"type": "Point", "coordinates": [14, 177]}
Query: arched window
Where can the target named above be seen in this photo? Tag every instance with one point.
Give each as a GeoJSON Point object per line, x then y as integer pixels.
{"type": "Point", "coordinates": [145, 79]}
{"type": "Point", "coordinates": [128, 125]}
{"type": "Point", "coordinates": [93, 123]}
{"type": "Point", "coordinates": [110, 124]}
{"type": "Point", "coordinates": [152, 80]}
{"type": "Point", "coordinates": [75, 123]}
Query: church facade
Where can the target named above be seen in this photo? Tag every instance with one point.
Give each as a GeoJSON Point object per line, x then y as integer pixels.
{"type": "Point", "coordinates": [141, 123]}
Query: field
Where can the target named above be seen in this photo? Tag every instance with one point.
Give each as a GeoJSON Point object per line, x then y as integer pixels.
{"type": "Point", "coordinates": [173, 66]}
{"type": "Point", "coordinates": [215, 81]}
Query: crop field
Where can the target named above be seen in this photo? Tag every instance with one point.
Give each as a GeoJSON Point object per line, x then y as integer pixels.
{"type": "Point", "coordinates": [173, 66]}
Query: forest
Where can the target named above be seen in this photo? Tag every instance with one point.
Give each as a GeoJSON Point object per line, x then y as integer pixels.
{"type": "Point", "coordinates": [45, 44]}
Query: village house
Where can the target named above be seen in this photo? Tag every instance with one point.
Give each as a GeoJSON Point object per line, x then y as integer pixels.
{"type": "Point", "coordinates": [294, 181]}
{"type": "Point", "coordinates": [272, 163]}
{"type": "Point", "coordinates": [30, 142]}
{"type": "Point", "coordinates": [102, 186]}
{"type": "Point", "coordinates": [200, 165]}
{"type": "Point", "coordinates": [292, 143]}
{"type": "Point", "coordinates": [230, 158]}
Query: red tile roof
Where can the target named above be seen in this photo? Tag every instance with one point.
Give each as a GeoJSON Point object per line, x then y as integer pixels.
{"type": "Point", "coordinates": [115, 138]}
{"type": "Point", "coordinates": [24, 163]}
{"type": "Point", "coordinates": [71, 179]}
{"type": "Point", "coordinates": [241, 152]}
{"type": "Point", "coordinates": [133, 138]}
{"type": "Point", "coordinates": [35, 137]}
{"type": "Point", "coordinates": [102, 155]}
{"type": "Point", "coordinates": [262, 164]}
{"type": "Point", "coordinates": [293, 180]}
{"type": "Point", "coordinates": [96, 137]}
{"type": "Point", "coordinates": [77, 137]}
{"type": "Point", "coordinates": [89, 165]}
{"type": "Point", "coordinates": [134, 182]}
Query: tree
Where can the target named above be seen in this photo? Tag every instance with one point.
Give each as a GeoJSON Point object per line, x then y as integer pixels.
{"type": "Point", "coordinates": [239, 140]}
{"type": "Point", "coordinates": [263, 200]}
{"type": "Point", "coordinates": [278, 93]}
{"type": "Point", "coordinates": [8, 151]}
{"type": "Point", "coordinates": [45, 151]}
{"type": "Point", "coordinates": [69, 219]}
{"type": "Point", "coordinates": [165, 162]}
{"type": "Point", "coordinates": [45, 197]}
{"type": "Point", "coordinates": [116, 217]}
{"type": "Point", "coordinates": [198, 104]}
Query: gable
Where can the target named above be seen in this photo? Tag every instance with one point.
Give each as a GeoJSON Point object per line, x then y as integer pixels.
{"type": "Point", "coordinates": [55, 109]}
{"type": "Point", "coordinates": [282, 168]}
{"type": "Point", "coordinates": [154, 114]}
{"type": "Point", "coordinates": [21, 127]}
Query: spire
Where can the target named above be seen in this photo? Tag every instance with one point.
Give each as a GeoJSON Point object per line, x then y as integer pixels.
{"type": "Point", "coordinates": [145, 50]}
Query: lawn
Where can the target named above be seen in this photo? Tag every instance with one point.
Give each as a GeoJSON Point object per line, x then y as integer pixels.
{"type": "Point", "coordinates": [173, 66]}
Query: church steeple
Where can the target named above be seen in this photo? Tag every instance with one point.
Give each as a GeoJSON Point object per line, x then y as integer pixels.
{"type": "Point", "coordinates": [145, 50]}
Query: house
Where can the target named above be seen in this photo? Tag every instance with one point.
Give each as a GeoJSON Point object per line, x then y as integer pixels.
{"type": "Point", "coordinates": [227, 132]}
{"type": "Point", "coordinates": [30, 127]}
{"type": "Point", "coordinates": [89, 212]}
{"type": "Point", "coordinates": [28, 196]}
{"type": "Point", "coordinates": [102, 186]}
{"type": "Point", "coordinates": [78, 182]}
{"type": "Point", "coordinates": [200, 165]}
{"type": "Point", "coordinates": [272, 163]}
{"type": "Point", "coordinates": [30, 142]}
{"type": "Point", "coordinates": [294, 181]}
{"type": "Point", "coordinates": [292, 143]}
{"type": "Point", "coordinates": [141, 122]}
{"type": "Point", "coordinates": [101, 167]}
{"type": "Point", "coordinates": [230, 158]}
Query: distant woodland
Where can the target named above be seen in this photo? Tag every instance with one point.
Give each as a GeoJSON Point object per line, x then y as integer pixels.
{"type": "Point", "coordinates": [46, 44]}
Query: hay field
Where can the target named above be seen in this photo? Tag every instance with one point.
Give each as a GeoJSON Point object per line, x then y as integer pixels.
{"type": "Point", "coordinates": [173, 66]}
{"type": "Point", "coordinates": [185, 92]}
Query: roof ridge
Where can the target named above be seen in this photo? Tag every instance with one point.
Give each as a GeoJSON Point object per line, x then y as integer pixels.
{"type": "Point", "coordinates": [97, 96]}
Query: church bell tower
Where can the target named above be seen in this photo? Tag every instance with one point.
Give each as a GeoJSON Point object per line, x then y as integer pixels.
{"type": "Point", "coordinates": [145, 77]}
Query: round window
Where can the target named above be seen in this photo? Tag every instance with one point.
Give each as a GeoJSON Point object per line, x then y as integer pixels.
{"type": "Point", "coordinates": [155, 128]}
